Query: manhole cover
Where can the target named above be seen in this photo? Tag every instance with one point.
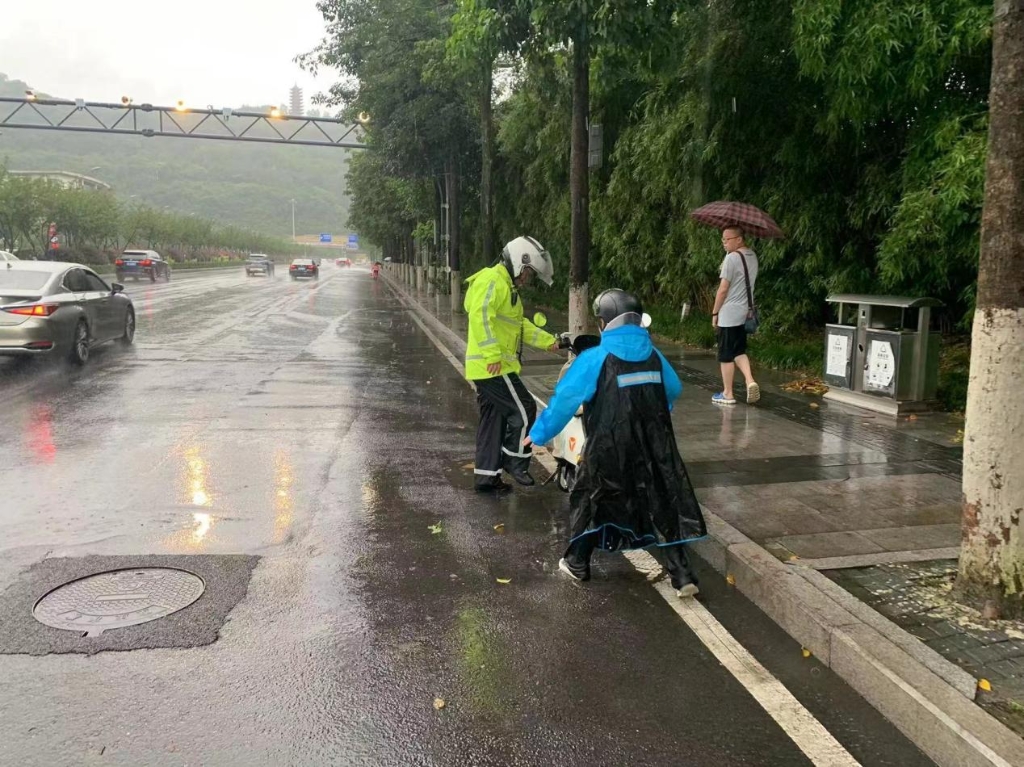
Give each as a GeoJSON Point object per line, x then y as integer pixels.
{"type": "Point", "coordinates": [118, 598]}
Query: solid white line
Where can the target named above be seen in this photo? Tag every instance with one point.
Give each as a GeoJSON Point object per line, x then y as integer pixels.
{"type": "Point", "coordinates": [809, 735]}
{"type": "Point", "coordinates": [440, 346]}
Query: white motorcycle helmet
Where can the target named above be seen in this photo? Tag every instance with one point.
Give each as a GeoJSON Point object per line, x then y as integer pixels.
{"type": "Point", "coordinates": [526, 251]}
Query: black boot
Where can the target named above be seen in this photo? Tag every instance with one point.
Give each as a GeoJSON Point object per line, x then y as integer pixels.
{"type": "Point", "coordinates": [494, 486]}
{"type": "Point", "coordinates": [521, 475]}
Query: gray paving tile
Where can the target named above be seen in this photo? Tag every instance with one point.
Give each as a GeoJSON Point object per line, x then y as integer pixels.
{"type": "Point", "coordinates": [837, 544]}
{"type": "Point", "coordinates": [775, 519]}
{"type": "Point", "coordinates": [916, 537]}
{"type": "Point", "coordinates": [909, 516]}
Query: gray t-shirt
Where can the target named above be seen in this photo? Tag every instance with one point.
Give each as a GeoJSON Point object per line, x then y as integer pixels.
{"type": "Point", "coordinates": [734, 310]}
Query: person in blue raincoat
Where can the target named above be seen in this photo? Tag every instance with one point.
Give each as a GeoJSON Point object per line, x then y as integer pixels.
{"type": "Point", "coordinates": [632, 490]}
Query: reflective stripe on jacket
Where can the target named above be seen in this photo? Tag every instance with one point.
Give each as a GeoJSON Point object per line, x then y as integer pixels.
{"type": "Point", "coordinates": [497, 327]}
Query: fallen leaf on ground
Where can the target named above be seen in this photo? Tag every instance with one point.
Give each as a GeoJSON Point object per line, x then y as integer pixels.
{"type": "Point", "coordinates": [984, 684]}
{"type": "Point", "coordinates": [805, 652]}
{"type": "Point", "coordinates": [439, 703]}
{"type": "Point", "coordinates": [468, 466]}
{"type": "Point", "coordinates": [500, 527]}
{"type": "Point", "coordinates": [815, 405]}
{"type": "Point", "coordinates": [434, 529]}
{"type": "Point", "coordinates": [503, 580]}
{"type": "Point", "coordinates": [806, 386]}
{"type": "Point", "coordinates": [959, 438]}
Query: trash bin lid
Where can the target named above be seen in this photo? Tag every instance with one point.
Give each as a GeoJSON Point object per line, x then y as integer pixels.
{"type": "Point", "coordinates": [902, 302]}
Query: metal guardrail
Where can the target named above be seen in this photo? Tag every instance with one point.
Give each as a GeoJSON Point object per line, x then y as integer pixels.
{"type": "Point", "coordinates": [177, 122]}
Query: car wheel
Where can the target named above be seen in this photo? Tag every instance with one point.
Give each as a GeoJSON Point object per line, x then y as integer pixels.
{"type": "Point", "coordinates": [80, 344]}
{"type": "Point", "coordinates": [152, 274]}
{"type": "Point", "coordinates": [129, 328]}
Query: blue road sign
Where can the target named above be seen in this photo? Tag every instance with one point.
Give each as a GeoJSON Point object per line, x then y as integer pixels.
{"type": "Point", "coordinates": [353, 242]}
{"type": "Point", "coordinates": [324, 237]}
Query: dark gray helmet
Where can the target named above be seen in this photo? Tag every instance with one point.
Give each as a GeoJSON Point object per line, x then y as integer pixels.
{"type": "Point", "coordinates": [618, 305]}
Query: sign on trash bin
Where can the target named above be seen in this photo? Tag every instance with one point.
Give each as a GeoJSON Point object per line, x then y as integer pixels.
{"type": "Point", "coordinates": [881, 366]}
{"type": "Point", "coordinates": [838, 355]}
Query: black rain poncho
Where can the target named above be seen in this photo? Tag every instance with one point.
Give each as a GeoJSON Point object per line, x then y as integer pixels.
{"type": "Point", "coordinates": [632, 489]}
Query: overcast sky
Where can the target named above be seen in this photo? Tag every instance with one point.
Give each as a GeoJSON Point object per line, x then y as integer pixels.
{"type": "Point", "coordinates": [219, 52]}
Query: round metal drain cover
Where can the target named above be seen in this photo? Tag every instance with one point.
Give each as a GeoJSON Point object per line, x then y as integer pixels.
{"type": "Point", "coordinates": [118, 598]}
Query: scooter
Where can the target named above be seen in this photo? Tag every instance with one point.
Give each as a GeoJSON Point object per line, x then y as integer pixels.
{"type": "Point", "coordinates": [567, 446]}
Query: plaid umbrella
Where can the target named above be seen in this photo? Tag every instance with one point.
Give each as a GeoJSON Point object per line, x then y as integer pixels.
{"type": "Point", "coordinates": [751, 219]}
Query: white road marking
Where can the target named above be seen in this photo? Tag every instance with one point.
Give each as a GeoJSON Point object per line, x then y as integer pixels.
{"type": "Point", "coordinates": [809, 735]}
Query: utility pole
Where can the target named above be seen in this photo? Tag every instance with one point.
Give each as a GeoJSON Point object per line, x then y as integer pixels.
{"type": "Point", "coordinates": [293, 221]}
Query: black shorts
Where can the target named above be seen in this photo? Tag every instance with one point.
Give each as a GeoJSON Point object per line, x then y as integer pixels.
{"type": "Point", "coordinates": [732, 343]}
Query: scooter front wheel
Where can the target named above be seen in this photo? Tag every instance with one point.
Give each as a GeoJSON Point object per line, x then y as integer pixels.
{"type": "Point", "coordinates": [566, 477]}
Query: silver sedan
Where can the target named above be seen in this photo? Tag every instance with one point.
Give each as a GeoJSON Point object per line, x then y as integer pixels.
{"type": "Point", "coordinates": [49, 307]}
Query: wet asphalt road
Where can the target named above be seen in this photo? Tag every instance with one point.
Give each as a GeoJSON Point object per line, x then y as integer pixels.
{"type": "Point", "coordinates": [314, 426]}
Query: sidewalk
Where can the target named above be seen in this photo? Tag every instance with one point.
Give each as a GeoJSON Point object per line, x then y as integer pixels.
{"type": "Point", "coordinates": [836, 522]}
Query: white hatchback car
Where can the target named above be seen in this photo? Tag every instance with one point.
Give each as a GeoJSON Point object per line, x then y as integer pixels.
{"type": "Point", "coordinates": [5, 256]}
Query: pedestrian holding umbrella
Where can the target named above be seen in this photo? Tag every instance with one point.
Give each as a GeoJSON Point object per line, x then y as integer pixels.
{"type": "Point", "coordinates": [734, 316]}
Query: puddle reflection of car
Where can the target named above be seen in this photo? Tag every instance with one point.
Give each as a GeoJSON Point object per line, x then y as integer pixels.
{"type": "Point", "coordinates": [304, 267]}
{"type": "Point", "coordinates": [258, 263]}
{"type": "Point", "coordinates": [52, 308]}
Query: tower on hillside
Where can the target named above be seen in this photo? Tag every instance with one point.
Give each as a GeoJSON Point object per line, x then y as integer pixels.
{"type": "Point", "coordinates": [296, 107]}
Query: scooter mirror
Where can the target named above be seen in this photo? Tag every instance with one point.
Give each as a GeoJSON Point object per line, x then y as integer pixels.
{"type": "Point", "coordinates": [540, 319]}
{"type": "Point", "coordinates": [645, 320]}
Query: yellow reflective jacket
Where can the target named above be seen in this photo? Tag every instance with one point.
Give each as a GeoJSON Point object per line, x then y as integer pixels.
{"type": "Point", "coordinates": [497, 328]}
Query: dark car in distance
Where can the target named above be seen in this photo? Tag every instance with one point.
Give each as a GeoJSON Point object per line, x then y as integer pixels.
{"type": "Point", "coordinates": [142, 263]}
{"type": "Point", "coordinates": [259, 263]}
{"type": "Point", "coordinates": [304, 267]}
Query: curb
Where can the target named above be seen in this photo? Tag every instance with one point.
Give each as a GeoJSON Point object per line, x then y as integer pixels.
{"type": "Point", "coordinates": [928, 698]}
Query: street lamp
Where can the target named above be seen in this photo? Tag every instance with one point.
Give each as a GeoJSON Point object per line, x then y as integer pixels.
{"type": "Point", "coordinates": [275, 112]}
{"type": "Point", "coordinates": [180, 106]}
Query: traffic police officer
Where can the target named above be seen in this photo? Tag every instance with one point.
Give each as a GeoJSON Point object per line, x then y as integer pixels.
{"type": "Point", "coordinates": [497, 330]}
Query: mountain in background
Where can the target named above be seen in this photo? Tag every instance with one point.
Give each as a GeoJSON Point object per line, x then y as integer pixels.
{"type": "Point", "coordinates": [250, 185]}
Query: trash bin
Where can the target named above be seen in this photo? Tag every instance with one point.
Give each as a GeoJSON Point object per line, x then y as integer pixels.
{"type": "Point", "coordinates": [881, 353]}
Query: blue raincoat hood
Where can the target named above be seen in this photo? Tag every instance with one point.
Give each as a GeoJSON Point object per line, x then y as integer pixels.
{"type": "Point", "coordinates": [629, 342]}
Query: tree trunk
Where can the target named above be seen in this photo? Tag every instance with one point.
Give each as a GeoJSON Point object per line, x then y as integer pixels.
{"type": "Point", "coordinates": [438, 245]}
{"type": "Point", "coordinates": [486, 165]}
{"type": "Point", "coordinates": [454, 239]}
{"type": "Point", "coordinates": [579, 185]}
{"type": "Point", "coordinates": [992, 558]}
